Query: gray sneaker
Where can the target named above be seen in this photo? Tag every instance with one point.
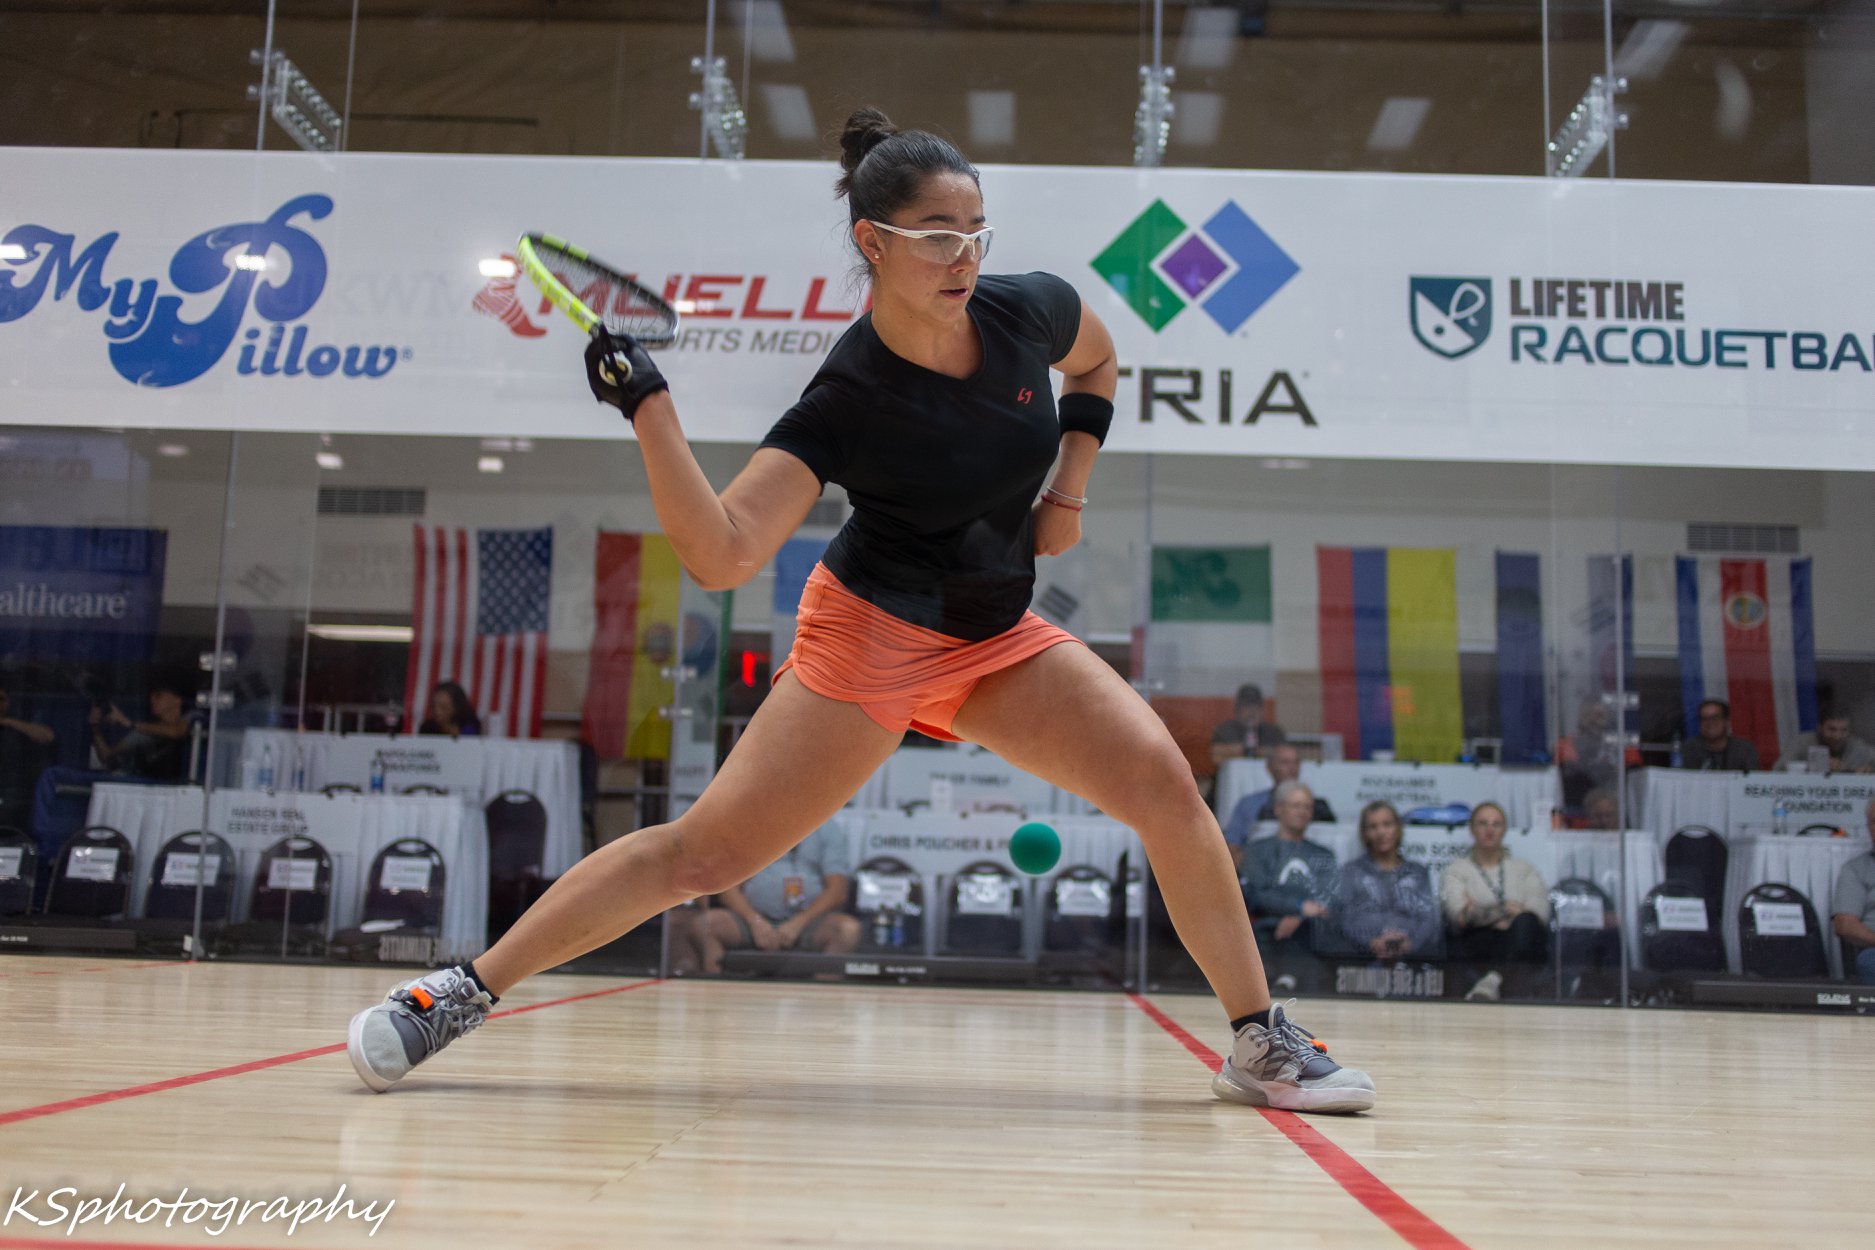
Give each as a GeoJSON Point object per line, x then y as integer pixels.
{"type": "Point", "coordinates": [415, 1021]}
{"type": "Point", "coordinates": [1284, 1066]}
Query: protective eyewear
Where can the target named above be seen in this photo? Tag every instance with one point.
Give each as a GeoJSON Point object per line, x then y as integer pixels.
{"type": "Point", "coordinates": [943, 247]}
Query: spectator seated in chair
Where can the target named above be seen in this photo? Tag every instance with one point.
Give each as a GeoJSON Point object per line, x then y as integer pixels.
{"type": "Point", "coordinates": [452, 713]}
{"type": "Point", "coordinates": [1246, 733]}
{"type": "Point", "coordinates": [1852, 911]}
{"type": "Point", "coordinates": [152, 750]}
{"type": "Point", "coordinates": [793, 904]}
{"type": "Point", "coordinates": [1590, 759]}
{"type": "Point", "coordinates": [1285, 764]}
{"type": "Point", "coordinates": [1847, 753]}
{"type": "Point", "coordinates": [1496, 910]}
{"type": "Point", "coordinates": [1384, 904]}
{"type": "Point", "coordinates": [1287, 884]}
{"type": "Point", "coordinates": [1601, 809]}
{"type": "Point", "coordinates": [1715, 749]}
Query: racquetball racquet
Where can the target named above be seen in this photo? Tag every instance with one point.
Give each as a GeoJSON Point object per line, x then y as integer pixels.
{"type": "Point", "coordinates": [592, 293]}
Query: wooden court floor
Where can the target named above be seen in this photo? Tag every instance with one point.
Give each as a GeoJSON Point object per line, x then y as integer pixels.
{"type": "Point", "coordinates": [625, 1114]}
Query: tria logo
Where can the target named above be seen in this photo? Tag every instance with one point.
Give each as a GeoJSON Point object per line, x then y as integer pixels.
{"type": "Point", "coordinates": [1158, 265]}
{"type": "Point", "coordinates": [273, 266]}
{"type": "Point", "coordinates": [1451, 316]}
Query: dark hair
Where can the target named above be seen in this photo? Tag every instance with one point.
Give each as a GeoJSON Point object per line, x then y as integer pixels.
{"type": "Point", "coordinates": [884, 168]}
{"type": "Point", "coordinates": [1725, 709]}
{"type": "Point", "coordinates": [460, 701]}
{"type": "Point", "coordinates": [1249, 692]}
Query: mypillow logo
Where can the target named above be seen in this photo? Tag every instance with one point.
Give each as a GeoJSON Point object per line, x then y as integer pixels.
{"type": "Point", "coordinates": [272, 265]}
{"type": "Point", "coordinates": [1229, 267]}
{"type": "Point", "coordinates": [1451, 316]}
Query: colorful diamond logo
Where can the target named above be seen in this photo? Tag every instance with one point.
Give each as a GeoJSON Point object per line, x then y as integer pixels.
{"type": "Point", "coordinates": [1192, 266]}
{"type": "Point", "coordinates": [1230, 261]}
{"type": "Point", "coordinates": [1127, 265]}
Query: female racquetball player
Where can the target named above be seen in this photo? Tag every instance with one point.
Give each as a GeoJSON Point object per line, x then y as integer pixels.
{"type": "Point", "coordinates": [935, 412]}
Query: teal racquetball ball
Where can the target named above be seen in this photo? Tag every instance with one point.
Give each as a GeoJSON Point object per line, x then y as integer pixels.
{"type": "Point", "coordinates": [1035, 848]}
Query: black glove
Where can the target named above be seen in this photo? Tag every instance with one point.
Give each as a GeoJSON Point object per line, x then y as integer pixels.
{"type": "Point", "coordinates": [620, 372]}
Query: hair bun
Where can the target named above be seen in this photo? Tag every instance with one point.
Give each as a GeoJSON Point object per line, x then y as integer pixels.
{"type": "Point", "coordinates": [865, 130]}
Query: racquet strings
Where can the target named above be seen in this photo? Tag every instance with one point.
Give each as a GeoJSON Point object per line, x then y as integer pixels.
{"type": "Point", "coordinates": [620, 305]}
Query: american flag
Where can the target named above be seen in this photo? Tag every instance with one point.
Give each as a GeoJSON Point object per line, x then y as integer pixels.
{"type": "Point", "coordinates": [480, 618]}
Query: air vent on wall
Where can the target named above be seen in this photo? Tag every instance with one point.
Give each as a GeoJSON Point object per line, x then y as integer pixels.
{"type": "Point", "coordinates": [371, 500]}
{"type": "Point", "coordinates": [1755, 539]}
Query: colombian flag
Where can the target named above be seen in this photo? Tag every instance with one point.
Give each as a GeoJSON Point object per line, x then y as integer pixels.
{"type": "Point", "coordinates": [1389, 651]}
{"type": "Point", "coordinates": [636, 585]}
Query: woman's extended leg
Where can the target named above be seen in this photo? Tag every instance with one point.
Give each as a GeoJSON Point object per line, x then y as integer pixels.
{"type": "Point", "coordinates": [798, 762]}
{"type": "Point", "coordinates": [1067, 717]}
{"type": "Point", "coordinates": [801, 758]}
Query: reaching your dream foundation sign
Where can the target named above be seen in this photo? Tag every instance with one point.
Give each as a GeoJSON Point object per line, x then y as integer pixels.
{"type": "Point", "coordinates": [1255, 313]}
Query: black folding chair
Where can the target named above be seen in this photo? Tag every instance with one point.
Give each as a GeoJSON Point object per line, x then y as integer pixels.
{"type": "Point", "coordinates": [1679, 932]}
{"type": "Point", "coordinates": [91, 877]}
{"type": "Point", "coordinates": [290, 906]}
{"type": "Point", "coordinates": [517, 853]}
{"type": "Point", "coordinates": [985, 915]}
{"type": "Point", "coordinates": [185, 860]}
{"type": "Point", "coordinates": [403, 907]}
{"type": "Point", "coordinates": [19, 872]}
{"type": "Point", "coordinates": [1778, 934]}
{"type": "Point", "coordinates": [1078, 913]}
{"type": "Point", "coordinates": [888, 901]}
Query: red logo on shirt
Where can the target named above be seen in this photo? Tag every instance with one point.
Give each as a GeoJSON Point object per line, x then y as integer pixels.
{"type": "Point", "coordinates": [1024, 395]}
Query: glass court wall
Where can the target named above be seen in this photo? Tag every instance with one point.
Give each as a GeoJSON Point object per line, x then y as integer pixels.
{"type": "Point", "coordinates": [309, 582]}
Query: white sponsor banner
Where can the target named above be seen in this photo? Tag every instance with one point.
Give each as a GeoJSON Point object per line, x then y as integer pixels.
{"type": "Point", "coordinates": [1839, 801]}
{"type": "Point", "coordinates": [1254, 313]}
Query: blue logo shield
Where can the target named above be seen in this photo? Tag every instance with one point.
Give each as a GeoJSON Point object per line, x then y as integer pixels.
{"type": "Point", "coordinates": [1451, 316]}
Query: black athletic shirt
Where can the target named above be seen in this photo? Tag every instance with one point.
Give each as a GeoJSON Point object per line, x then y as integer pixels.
{"type": "Point", "coordinates": [941, 471]}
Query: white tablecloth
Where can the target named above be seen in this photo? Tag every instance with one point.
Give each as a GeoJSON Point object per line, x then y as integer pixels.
{"type": "Point", "coordinates": [478, 767]}
{"type": "Point", "coordinates": [975, 779]}
{"type": "Point", "coordinates": [1528, 795]}
{"type": "Point", "coordinates": [353, 828]}
{"type": "Point", "coordinates": [1597, 854]}
{"type": "Point", "coordinates": [1742, 803]}
{"type": "Point", "coordinates": [1809, 864]}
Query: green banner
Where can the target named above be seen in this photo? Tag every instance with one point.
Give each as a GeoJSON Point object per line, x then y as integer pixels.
{"type": "Point", "coordinates": [1217, 584]}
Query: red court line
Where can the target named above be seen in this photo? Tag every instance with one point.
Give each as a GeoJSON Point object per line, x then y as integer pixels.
{"type": "Point", "coordinates": [1415, 1226]}
{"type": "Point", "coordinates": [256, 1065]}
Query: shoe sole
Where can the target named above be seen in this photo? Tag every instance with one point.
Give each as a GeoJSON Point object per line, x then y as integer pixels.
{"type": "Point", "coordinates": [1339, 1101]}
{"type": "Point", "coordinates": [355, 1051]}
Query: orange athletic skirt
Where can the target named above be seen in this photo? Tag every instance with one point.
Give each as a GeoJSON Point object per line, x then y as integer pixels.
{"type": "Point", "coordinates": [902, 675]}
